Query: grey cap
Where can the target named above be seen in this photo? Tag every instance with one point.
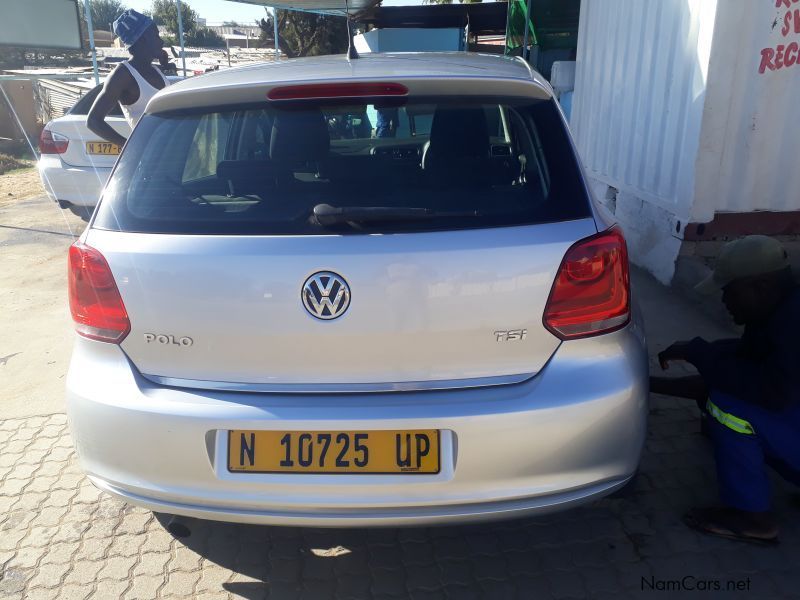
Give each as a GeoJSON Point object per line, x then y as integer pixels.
{"type": "Point", "coordinates": [747, 257]}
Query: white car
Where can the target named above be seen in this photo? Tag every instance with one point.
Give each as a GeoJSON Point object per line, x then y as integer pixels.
{"type": "Point", "coordinates": [287, 318]}
{"type": "Point", "coordinates": [75, 163]}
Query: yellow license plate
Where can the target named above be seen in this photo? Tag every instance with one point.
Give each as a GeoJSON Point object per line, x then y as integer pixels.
{"type": "Point", "coordinates": [387, 452]}
{"type": "Point", "coordinates": [102, 148]}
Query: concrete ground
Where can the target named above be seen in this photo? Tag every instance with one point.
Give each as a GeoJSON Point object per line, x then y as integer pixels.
{"type": "Point", "coordinates": [61, 538]}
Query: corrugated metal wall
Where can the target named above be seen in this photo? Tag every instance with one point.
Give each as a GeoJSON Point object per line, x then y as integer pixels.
{"type": "Point", "coordinates": [639, 94]}
{"type": "Point", "coordinates": [750, 153]}
{"type": "Point", "coordinates": [56, 97]}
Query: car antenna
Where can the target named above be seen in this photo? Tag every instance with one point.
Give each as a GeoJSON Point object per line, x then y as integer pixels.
{"type": "Point", "coordinates": [352, 53]}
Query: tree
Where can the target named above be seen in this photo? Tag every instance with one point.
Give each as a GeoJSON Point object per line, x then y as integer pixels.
{"type": "Point", "coordinates": [305, 34]}
{"type": "Point", "coordinates": [105, 12]}
{"type": "Point", "coordinates": [230, 24]}
{"type": "Point", "coordinates": [165, 12]}
{"type": "Point", "coordinates": [206, 38]}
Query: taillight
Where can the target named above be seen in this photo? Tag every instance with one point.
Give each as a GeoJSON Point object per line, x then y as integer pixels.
{"type": "Point", "coordinates": [337, 90]}
{"type": "Point", "coordinates": [94, 299]}
{"type": "Point", "coordinates": [591, 294]}
{"type": "Point", "coordinates": [52, 143]}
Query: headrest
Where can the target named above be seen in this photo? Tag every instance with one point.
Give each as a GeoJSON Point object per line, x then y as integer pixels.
{"type": "Point", "coordinates": [460, 132]}
{"type": "Point", "coordinates": [299, 136]}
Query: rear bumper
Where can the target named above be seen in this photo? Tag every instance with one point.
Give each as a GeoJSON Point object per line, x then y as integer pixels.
{"type": "Point", "coordinates": [80, 186]}
{"type": "Point", "coordinates": [571, 434]}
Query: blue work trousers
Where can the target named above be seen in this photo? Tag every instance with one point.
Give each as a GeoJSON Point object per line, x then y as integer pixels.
{"type": "Point", "coordinates": [742, 458]}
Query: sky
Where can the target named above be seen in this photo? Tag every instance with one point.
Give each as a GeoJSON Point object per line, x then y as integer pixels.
{"type": "Point", "coordinates": [217, 11]}
{"type": "Point", "coordinates": [213, 11]}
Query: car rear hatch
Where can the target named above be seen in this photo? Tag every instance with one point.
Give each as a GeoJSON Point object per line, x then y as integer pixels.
{"type": "Point", "coordinates": [101, 154]}
{"type": "Point", "coordinates": [424, 307]}
{"type": "Point", "coordinates": [216, 222]}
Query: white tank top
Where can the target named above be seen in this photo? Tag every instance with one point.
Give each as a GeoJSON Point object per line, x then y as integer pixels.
{"type": "Point", "coordinates": [133, 112]}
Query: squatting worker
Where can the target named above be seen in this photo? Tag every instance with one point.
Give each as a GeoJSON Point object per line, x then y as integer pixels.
{"type": "Point", "coordinates": [750, 388]}
{"type": "Point", "coordinates": [134, 81]}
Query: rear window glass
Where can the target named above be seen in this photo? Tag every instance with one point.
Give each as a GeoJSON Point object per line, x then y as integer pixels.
{"type": "Point", "coordinates": [427, 164]}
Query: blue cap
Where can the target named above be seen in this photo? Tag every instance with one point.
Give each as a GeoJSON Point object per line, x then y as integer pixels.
{"type": "Point", "coordinates": [130, 26]}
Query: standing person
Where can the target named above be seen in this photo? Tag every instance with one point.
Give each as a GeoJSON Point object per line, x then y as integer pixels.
{"type": "Point", "coordinates": [388, 118]}
{"type": "Point", "coordinates": [134, 81]}
{"type": "Point", "coordinates": [750, 388]}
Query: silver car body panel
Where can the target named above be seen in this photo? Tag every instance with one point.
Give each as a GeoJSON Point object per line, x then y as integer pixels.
{"type": "Point", "coordinates": [572, 433]}
{"type": "Point", "coordinates": [424, 306]}
{"type": "Point", "coordinates": [527, 426]}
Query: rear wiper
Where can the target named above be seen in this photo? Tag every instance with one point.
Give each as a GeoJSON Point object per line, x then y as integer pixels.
{"type": "Point", "coordinates": [325, 214]}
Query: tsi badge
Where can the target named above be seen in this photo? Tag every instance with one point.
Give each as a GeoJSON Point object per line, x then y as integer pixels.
{"type": "Point", "coordinates": [511, 335]}
{"type": "Point", "coordinates": [168, 340]}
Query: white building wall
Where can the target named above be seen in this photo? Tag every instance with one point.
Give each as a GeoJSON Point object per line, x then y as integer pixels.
{"type": "Point", "coordinates": [410, 40]}
{"type": "Point", "coordinates": [750, 151]}
{"type": "Point", "coordinates": [637, 114]}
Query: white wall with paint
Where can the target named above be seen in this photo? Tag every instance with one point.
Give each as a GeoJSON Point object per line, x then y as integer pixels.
{"type": "Point", "coordinates": [637, 114]}
{"type": "Point", "coordinates": [687, 108]}
{"type": "Point", "coordinates": [749, 158]}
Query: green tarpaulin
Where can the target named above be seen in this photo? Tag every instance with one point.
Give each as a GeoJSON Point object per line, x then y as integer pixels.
{"type": "Point", "coordinates": [553, 24]}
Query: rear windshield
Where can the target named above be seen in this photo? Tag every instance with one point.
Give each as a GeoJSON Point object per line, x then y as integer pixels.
{"type": "Point", "coordinates": [83, 105]}
{"type": "Point", "coordinates": [310, 169]}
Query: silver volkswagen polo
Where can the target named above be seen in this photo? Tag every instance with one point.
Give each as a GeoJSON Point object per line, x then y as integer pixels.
{"type": "Point", "coordinates": [373, 292]}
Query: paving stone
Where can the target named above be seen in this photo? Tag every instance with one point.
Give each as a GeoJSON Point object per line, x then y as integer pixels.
{"type": "Point", "coordinates": [26, 557]}
{"type": "Point", "coordinates": [42, 482]}
{"type": "Point", "coordinates": [386, 557]}
{"type": "Point", "coordinates": [418, 553]}
{"type": "Point", "coordinates": [225, 596]}
{"type": "Point", "coordinates": [282, 569]}
{"type": "Point", "coordinates": [490, 567]}
{"type": "Point", "coordinates": [13, 581]}
{"type": "Point", "coordinates": [498, 590]}
{"type": "Point", "coordinates": [108, 589]}
{"type": "Point", "coordinates": [534, 587]}
{"type": "Point", "coordinates": [21, 470]}
{"type": "Point", "coordinates": [70, 531]}
{"type": "Point", "coordinates": [135, 523]}
{"type": "Point", "coordinates": [458, 573]}
{"type": "Point", "coordinates": [390, 582]}
{"type": "Point", "coordinates": [353, 586]}
{"type": "Point", "coordinates": [426, 595]}
{"type": "Point", "coordinates": [58, 498]}
{"type": "Point", "coordinates": [87, 494]}
{"type": "Point", "coordinates": [600, 579]}
{"type": "Point", "coordinates": [50, 516]}
{"type": "Point", "coordinates": [61, 553]}
{"type": "Point", "coordinates": [13, 487]}
{"type": "Point", "coordinates": [49, 575]}
{"type": "Point", "coordinates": [70, 481]}
{"type": "Point", "coordinates": [151, 563]}
{"type": "Point", "coordinates": [212, 578]}
{"type": "Point", "coordinates": [144, 588]}
{"type": "Point", "coordinates": [318, 589]}
{"type": "Point", "coordinates": [451, 548]}
{"type": "Point", "coordinates": [41, 593]}
{"type": "Point", "coordinates": [84, 572]}
{"type": "Point", "coordinates": [317, 568]}
{"type": "Point", "coordinates": [157, 540]}
{"type": "Point", "coordinates": [180, 583]}
{"type": "Point", "coordinates": [117, 568]}
{"type": "Point", "coordinates": [37, 537]}
{"type": "Point", "coordinates": [423, 578]}
{"type": "Point", "coordinates": [125, 545]}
